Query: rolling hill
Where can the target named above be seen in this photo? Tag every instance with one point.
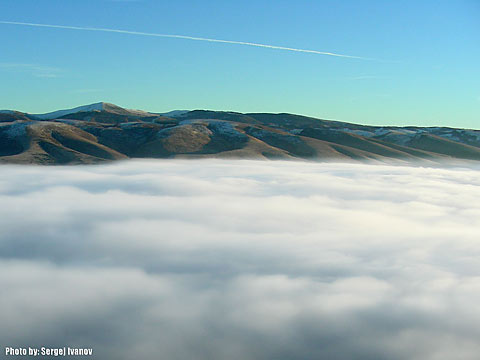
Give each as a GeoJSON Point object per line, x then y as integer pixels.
{"type": "Point", "coordinates": [105, 132]}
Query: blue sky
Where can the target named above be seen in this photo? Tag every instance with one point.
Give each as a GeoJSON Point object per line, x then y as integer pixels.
{"type": "Point", "coordinates": [422, 67]}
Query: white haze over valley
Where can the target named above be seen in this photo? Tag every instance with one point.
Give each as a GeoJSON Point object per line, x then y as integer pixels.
{"type": "Point", "coordinates": [186, 259]}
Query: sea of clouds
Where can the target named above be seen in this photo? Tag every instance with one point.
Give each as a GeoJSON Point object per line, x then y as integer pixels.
{"type": "Point", "coordinates": [242, 260]}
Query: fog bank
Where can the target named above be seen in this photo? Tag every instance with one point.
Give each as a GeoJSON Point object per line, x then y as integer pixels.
{"type": "Point", "coordinates": [242, 260]}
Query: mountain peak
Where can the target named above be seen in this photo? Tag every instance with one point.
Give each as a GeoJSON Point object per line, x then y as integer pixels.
{"type": "Point", "coordinates": [56, 114]}
{"type": "Point", "coordinates": [100, 106]}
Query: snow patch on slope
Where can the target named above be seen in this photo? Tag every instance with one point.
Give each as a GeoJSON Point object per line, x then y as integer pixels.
{"type": "Point", "coordinates": [175, 113]}
{"type": "Point", "coordinates": [225, 128]}
{"type": "Point", "coordinates": [86, 108]}
{"type": "Point", "coordinates": [358, 132]}
{"type": "Point", "coordinates": [460, 135]}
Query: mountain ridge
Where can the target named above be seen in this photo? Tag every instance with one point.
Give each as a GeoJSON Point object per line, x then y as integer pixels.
{"type": "Point", "coordinates": [104, 132]}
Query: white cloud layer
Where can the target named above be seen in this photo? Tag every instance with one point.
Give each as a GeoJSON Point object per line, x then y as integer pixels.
{"type": "Point", "coordinates": [242, 260]}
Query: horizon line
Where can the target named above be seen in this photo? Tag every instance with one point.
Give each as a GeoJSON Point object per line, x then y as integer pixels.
{"type": "Point", "coordinates": [316, 117]}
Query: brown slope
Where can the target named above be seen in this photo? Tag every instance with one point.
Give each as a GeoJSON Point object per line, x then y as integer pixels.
{"type": "Point", "coordinates": [369, 145]}
{"type": "Point", "coordinates": [13, 116]}
{"type": "Point", "coordinates": [439, 145]}
{"type": "Point", "coordinates": [57, 143]}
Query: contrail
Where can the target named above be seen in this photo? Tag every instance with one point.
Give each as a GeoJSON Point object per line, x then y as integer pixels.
{"type": "Point", "coordinates": [183, 37]}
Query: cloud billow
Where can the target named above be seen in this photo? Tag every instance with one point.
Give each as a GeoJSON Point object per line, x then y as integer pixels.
{"type": "Point", "coordinates": [241, 260]}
